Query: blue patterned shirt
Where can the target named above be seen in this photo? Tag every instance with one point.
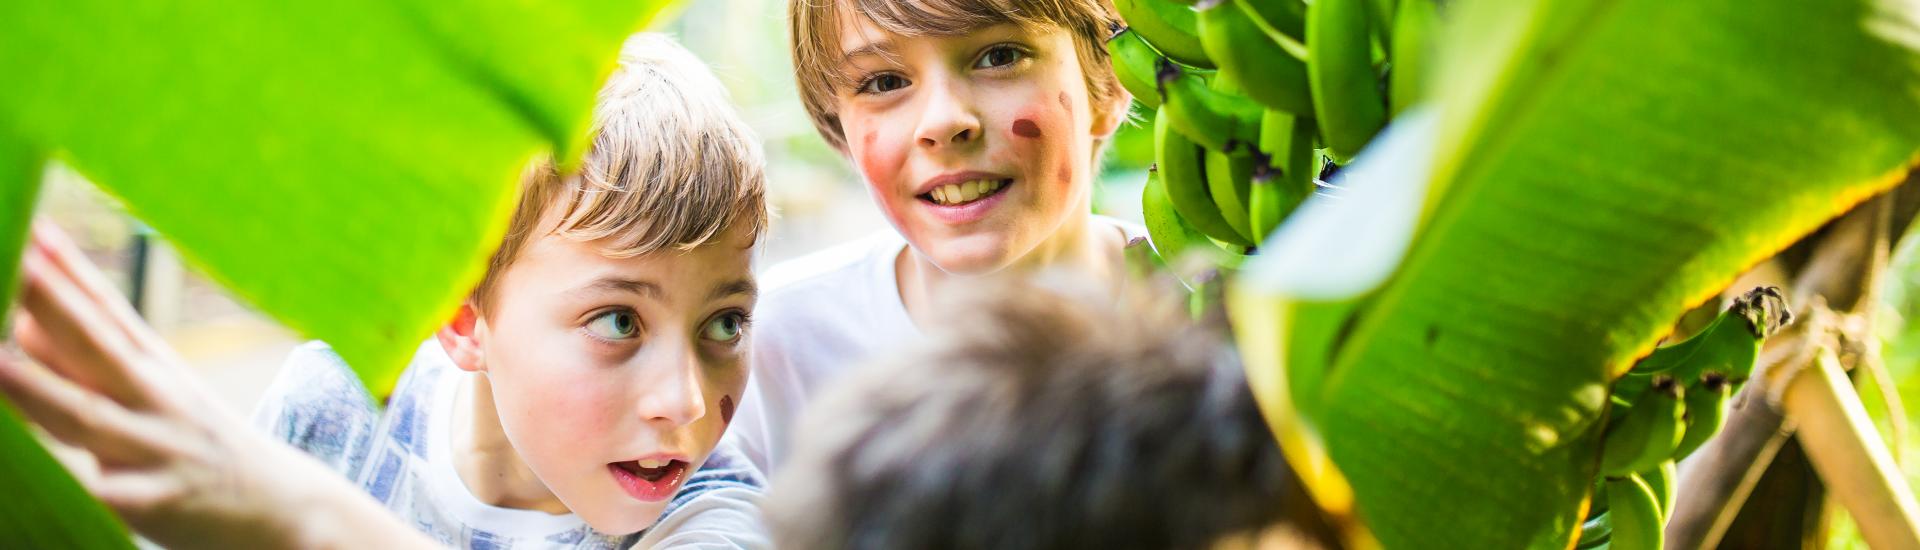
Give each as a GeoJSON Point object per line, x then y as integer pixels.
{"type": "Point", "coordinates": [403, 459]}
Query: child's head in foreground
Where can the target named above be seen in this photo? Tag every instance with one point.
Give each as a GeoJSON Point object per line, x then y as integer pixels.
{"type": "Point", "coordinates": [609, 327]}
{"type": "Point", "coordinates": [1043, 419]}
{"type": "Point", "coordinates": [975, 123]}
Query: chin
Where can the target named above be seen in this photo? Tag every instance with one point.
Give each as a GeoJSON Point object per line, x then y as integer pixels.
{"type": "Point", "coordinates": [971, 255]}
{"type": "Point", "coordinates": [622, 520]}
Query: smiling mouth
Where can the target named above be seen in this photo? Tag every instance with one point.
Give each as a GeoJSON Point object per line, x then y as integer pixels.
{"type": "Point", "coordinates": [956, 194]}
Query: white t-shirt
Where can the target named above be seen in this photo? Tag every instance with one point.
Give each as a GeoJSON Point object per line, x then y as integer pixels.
{"type": "Point", "coordinates": [818, 316]}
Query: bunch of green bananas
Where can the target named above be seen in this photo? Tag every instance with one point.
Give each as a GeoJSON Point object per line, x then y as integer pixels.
{"type": "Point", "coordinates": [1665, 407]}
{"type": "Point", "coordinates": [1251, 95]}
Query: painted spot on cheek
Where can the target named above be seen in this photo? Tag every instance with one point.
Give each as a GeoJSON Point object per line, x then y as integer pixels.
{"type": "Point", "coordinates": [1066, 173]}
{"type": "Point", "coordinates": [726, 409]}
{"type": "Point", "coordinates": [1026, 128]}
{"type": "Point", "coordinates": [1066, 102]}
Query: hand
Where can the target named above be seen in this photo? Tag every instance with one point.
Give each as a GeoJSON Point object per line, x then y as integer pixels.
{"type": "Point", "coordinates": [139, 432]}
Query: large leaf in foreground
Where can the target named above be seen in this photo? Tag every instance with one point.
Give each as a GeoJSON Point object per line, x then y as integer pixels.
{"type": "Point", "coordinates": [1601, 166]}
{"type": "Point", "coordinates": [345, 166]}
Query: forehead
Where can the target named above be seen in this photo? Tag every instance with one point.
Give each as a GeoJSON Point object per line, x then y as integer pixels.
{"type": "Point", "coordinates": [554, 262]}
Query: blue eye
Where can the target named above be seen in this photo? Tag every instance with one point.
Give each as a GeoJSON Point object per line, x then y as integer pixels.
{"type": "Point", "coordinates": [999, 56]}
{"type": "Point", "coordinates": [725, 327]}
{"type": "Point", "coordinates": [615, 325]}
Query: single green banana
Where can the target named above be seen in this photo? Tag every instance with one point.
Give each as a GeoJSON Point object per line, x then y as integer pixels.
{"type": "Point", "coordinates": [1286, 180]}
{"type": "Point", "coordinates": [1634, 512]}
{"type": "Point", "coordinates": [1661, 479]}
{"type": "Point", "coordinates": [1134, 65]}
{"type": "Point", "coordinates": [1287, 17]}
{"type": "Point", "coordinates": [1229, 182]}
{"type": "Point", "coordinates": [1171, 235]}
{"type": "Point", "coordinates": [1706, 412]}
{"type": "Point", "coordinates": [1649, 433]}
{"type": "Point", "coordinates": [1170, 27]}
{"type": "Point", "coordinates": [1183, 173]}
{"type": "Point", "coordinates": [1346, 93]}
{"type": "Point", "coordinates": [1266, 71]}
{"type": "Point", "coordinates": [1216, 120]}
{"type": "Point", "coordinates": [1412, 53]}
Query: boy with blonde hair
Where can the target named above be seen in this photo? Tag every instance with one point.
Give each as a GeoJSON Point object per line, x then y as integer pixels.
{"type": "Point", "coordinates": [576, 400]}
{"type": "Point", "coordinates": [976, 126]}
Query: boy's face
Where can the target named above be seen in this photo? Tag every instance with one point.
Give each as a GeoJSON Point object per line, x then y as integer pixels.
{"type": "Point", "coordinates": [615, 377]}
{"type": "Point", "coordinates": [977, 147]}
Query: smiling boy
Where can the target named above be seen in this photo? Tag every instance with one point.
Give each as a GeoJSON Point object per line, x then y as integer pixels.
{"type": "Point", "coordinates": [976, 126]}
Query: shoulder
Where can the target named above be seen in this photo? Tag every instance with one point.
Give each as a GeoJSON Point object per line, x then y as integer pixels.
{"type": "Point", "coordinates": [317, 404]}
{"type": "Point", "coordinates": [1130, 230]}
{"type": "Point", "coordinates": [819, 292]}
{"type": "Point", "coordinates": [838, 265]}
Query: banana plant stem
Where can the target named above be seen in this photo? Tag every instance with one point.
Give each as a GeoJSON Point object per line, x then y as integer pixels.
{"type": "Point", "coordinates": [1847, 452]}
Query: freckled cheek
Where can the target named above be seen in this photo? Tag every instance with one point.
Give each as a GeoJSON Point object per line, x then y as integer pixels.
{"type": "Point", "coordinates": [1041, 135]}
{"type": "Point", "coordinates": [880, 158]}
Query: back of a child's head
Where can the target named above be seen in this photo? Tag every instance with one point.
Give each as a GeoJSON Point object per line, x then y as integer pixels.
{"type": "Point", "coordinates": [1039, 418]}
{"type": "Point", "coordinates": [814, 27]}
{"type": "Point", "coordinates": [671, 166]}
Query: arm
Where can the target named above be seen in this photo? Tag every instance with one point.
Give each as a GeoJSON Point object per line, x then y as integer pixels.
{"type": "Point", "coordinates": [150, 442]}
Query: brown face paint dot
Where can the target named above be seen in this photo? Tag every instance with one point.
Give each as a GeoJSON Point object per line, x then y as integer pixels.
{"type": "Point", "coordinates": [1066, 102]}
{"type": "Point", "coordinates": [1026, 128]}
{"type": "Point", "coordinates": [1066, 173]}
{"type": "Point", "coordinates": [868, 141]}
{"type": "Point", "coordinates": [726, 409]}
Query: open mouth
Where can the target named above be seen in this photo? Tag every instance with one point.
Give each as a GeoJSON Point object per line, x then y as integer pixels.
{"type": "Point", "coordinates": [957, 194]}
{"type": "Point", "coordinates": [649, 480]}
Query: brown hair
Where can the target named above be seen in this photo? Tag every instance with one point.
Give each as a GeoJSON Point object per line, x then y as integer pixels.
{"type": "Point", "coordinates": [815, 35]}
{"type": "Point", "coordinates": [671, 166]}
{"type": "Point", "coordinates": [1041, 416]}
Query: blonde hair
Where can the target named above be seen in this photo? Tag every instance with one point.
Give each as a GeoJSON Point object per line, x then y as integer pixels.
{"type": "Point", "coordinates": [815, 35]}
{"type": "Point", "coordinates": [672, 165]}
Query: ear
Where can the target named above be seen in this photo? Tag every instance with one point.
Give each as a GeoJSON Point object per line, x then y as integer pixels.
{"type": "Point", "coordinates": [1107, 121]}
{"type": "Point", "coordinates": [462, 337]}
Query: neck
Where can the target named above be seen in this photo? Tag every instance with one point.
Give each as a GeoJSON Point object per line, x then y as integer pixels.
{"type": "Point", "coordinates": [486, 461]}
{"type": "Point", "coordinates": [1082, 245]}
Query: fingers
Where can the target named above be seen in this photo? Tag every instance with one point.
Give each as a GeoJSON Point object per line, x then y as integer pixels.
{"type": "Point", "coordinates": [72, 414]}
{"type": "Point", "coordinates": [66, 257]}
{"type": "Point", "coordinates": [67, 331]}
{"type": "Point", "coordinates": [136, 494]}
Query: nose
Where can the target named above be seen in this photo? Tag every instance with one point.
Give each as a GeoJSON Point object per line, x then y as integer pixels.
{"type": "Point", "coordinates": [672, 395]}
{"type": "Point", "coordinates": [948, 119]}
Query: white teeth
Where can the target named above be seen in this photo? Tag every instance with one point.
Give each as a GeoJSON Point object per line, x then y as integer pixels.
{"type": "Point", "coordinates": [964, 192]}
{"type": "Point", "coordinates": [651, 463]}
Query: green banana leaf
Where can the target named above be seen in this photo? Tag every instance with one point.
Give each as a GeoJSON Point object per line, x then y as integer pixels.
{"type": "Point", "coordinates": [345, 166]}
{"type": "Point", "coordinates": [1599, 167]}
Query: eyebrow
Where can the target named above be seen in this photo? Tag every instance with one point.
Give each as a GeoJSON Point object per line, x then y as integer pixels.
{"type": "Point", "coordinates": [630, 286]}
{"type": "Point", "coordinates": [736, 286]}
{"type": "Point", "coordinates": [878, 47]}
